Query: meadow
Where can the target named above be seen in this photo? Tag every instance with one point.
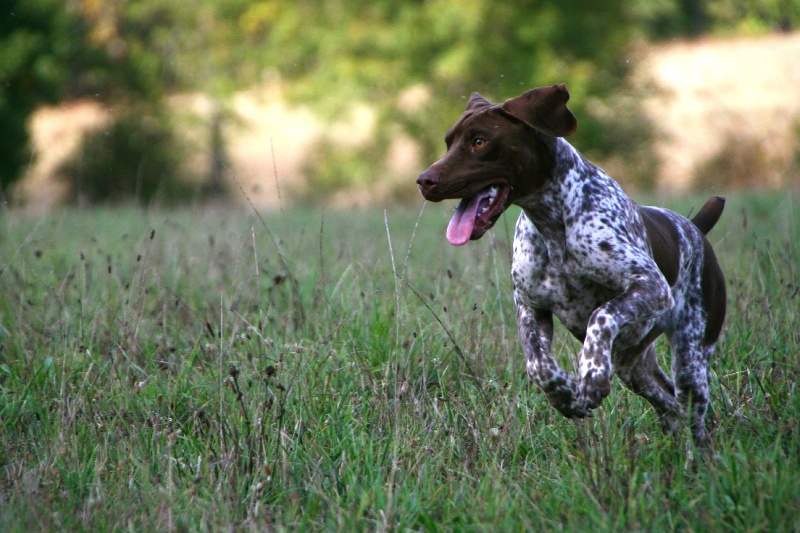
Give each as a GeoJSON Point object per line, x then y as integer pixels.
{"type": "Point", "coordinates": [315, 369]}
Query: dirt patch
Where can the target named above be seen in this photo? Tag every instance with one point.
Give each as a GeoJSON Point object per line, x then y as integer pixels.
{"type": "Point", "coordinates": [266, 142]}
{"type": "Point", "coordinates": [717, 96]}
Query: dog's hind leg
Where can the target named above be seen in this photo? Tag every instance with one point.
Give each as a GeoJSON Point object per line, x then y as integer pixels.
{"type": "Point", "coordinates": [690, 360]}
{"type": "Point", "coordinates": [642, 374]}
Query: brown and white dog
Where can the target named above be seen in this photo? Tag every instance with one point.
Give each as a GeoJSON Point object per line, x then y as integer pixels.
{"type": "Point", "coordinates": [617, 275]}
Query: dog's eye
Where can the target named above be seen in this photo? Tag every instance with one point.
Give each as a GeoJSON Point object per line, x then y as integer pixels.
{"type": "Point", "coordinates": [478, 142]}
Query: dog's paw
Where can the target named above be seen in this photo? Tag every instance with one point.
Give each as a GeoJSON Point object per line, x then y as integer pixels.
{"type": "Point", "coordinates": [595, 386]}
{"type": "Point", "coordinates": [564, 397]}
{"type": "Point", "coordinates": [569, 407]}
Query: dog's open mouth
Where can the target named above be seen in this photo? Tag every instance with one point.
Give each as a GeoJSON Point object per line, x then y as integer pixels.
{"type": "Point", "coordinates": [475, 215]}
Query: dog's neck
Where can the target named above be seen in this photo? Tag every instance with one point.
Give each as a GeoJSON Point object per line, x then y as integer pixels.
{"type": "Point", "coordinates": [545, 205]}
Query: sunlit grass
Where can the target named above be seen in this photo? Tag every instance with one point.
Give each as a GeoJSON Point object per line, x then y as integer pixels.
{"type": "Point", "coordinates": [350, 370]}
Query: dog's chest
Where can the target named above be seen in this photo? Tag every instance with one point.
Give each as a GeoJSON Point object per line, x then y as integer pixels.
{"type": "Point", "coordinates": [546, 276]}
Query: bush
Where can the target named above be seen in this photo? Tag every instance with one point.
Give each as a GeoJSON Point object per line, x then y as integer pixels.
{"type": "Point", "coordinates": [334, 168]}
{"type": "Point", "coordinates": [742, 162]}
{"type": "Point", "coordinates": [137, 157]}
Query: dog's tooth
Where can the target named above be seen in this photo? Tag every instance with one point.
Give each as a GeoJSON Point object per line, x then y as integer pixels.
{"type": "Point", "coordinates": [490, 197]}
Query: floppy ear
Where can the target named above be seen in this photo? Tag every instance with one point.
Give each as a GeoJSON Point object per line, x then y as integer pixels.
{"type": "Point", "coordinates": [476, 101]}
{"type": "Point", "coordinates": [544, 109]}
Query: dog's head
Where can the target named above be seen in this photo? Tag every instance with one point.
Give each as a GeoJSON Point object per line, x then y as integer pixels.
{"type": "Point", "coordinates": [494, 156]}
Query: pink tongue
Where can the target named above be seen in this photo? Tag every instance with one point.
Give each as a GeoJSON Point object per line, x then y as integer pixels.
{"type": "Point", "coordinates": [460, 228]}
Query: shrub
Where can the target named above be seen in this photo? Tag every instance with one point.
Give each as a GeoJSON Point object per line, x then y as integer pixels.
{"type": "Point", "coordinates": [335, 168]}
{"type": "Point", "coordinates": [137, 157]}
{"type": "Point", "coordinates": [742, 162]}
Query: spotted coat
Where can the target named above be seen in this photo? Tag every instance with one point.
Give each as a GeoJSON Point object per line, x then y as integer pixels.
{"type": "Point", "coordinates": [615, 274]}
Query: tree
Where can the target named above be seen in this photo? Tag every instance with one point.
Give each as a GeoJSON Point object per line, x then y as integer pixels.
{"type": "Point", "coordinates": [134, 158]}
{"type": "Point", "coordinates": [35, 47]}
{"type": "Point", "coordinates": [51, 50]}
{"type": "Point", "coordinates": [753, 16]}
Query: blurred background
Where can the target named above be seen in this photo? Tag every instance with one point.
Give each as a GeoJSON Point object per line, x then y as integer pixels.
{"type": "Point", "coordinates": [344, 102]}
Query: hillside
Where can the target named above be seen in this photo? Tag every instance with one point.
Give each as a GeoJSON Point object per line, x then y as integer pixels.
{"type": "Point", "coordinates": [725, 112]}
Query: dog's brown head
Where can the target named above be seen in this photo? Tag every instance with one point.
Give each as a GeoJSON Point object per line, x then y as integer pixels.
{"type": "Point", "coordinates": [494, 156]}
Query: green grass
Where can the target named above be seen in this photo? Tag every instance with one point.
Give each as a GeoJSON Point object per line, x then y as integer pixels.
{"type": "Point", "coordinates": [326, 370]}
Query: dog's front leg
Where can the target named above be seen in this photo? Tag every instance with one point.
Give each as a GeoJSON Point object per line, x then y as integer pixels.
{"type": "Point", "coordinates": [647, 297]}
{"type": "Point", "coordinates": [536, 333]}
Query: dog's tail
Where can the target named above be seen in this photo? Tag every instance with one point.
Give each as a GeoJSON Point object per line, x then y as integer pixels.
{"type": "Point", "coordinates": [709, 214]}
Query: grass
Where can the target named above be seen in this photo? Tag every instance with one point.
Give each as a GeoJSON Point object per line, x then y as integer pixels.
{"type": "Point", "coordinates": [325, 370]}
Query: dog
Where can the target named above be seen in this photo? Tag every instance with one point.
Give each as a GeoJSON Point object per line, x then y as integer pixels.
{"type": "Point", "coordinates": [617, 275]}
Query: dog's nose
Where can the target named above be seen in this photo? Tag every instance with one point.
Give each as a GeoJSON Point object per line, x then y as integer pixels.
{"type": "Point", "coordinates": [428, 179]}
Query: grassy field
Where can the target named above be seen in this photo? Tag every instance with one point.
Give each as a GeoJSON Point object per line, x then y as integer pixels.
{"type": "Point", "coordinates": [326, 370]}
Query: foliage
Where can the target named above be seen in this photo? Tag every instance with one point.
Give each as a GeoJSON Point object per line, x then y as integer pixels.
{"type": "Point", "coordinates": [136, 158]}
{"type": "Point", "coordinates": [351, 371]}
{"type": "Point", "coordinates": [332, 55]}
{"type": "Point", "coordinates": [337, 54]}
{"type": "Point", "coordinates": [341, 53]}
{"type": "Point", "coordinates": [36, 39]}
{"type": "Point", "coordinates": [694, 18]}
{"type": "Point", "coordinates": [753, 16]}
